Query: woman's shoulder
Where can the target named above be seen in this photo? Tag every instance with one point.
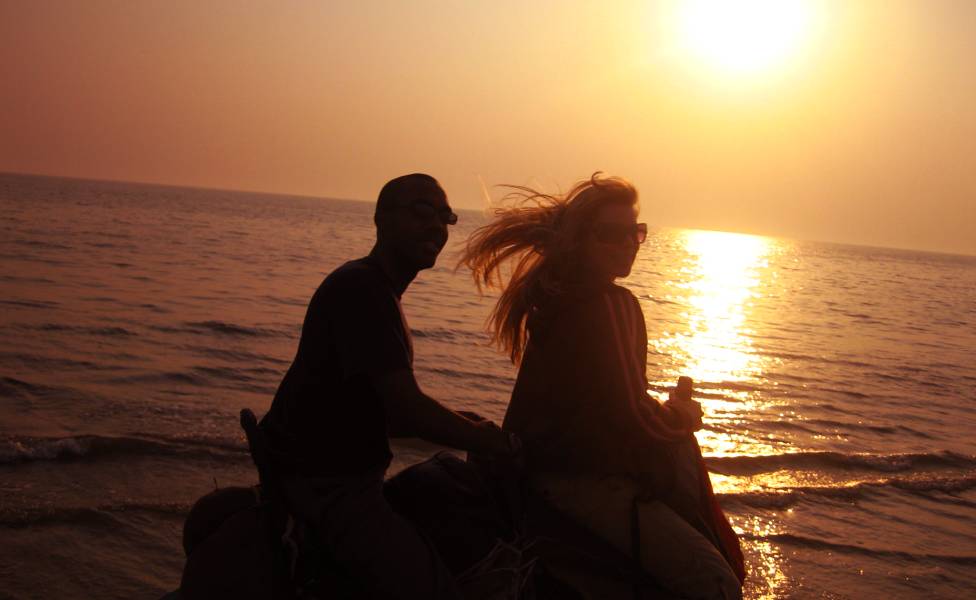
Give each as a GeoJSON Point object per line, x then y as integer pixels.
{"type": "Point", "coordinates": [621, 298]}
{"type": "Point", "coordinates": [597, 293]}
{"type": "Point", "coordinates": [620, 291]}
{"type": "Point", "coordinates": [579, 308]}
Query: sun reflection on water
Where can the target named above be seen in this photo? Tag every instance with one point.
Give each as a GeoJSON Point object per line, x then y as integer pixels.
{"type": "Point", "coordinates": [716, 285]}
{"type": "Point", "coordinates": [722, 271]}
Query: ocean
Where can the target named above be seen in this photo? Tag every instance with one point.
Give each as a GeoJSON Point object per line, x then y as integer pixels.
{"type": "Point", "coordinates": [839, 382]}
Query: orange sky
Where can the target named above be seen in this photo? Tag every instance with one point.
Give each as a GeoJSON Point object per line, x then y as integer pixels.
{"type": "Point", "coordinates": [868, 135]}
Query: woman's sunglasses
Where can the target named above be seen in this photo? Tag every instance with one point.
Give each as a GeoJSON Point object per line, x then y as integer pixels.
{"type": "Point", "coordinates": [616, 233]}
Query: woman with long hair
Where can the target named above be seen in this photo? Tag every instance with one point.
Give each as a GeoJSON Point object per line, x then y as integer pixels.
{"type": "Point", "coordinates": [601, 451]}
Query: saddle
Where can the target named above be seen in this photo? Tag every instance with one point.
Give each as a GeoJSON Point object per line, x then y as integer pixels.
{"type": "Point", "coordinates": [496, 538]}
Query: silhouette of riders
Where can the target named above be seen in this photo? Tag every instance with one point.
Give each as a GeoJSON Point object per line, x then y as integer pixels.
{"type": "Point", "coordinates": [351, 387]}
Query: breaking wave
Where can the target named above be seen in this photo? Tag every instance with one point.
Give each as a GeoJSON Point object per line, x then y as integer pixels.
{"type": "Point", "coordinates": [818, 544]}
{"type": "Point", "coordinates": [814, 461]}
{"type": "Point", "coordinates": [75, 515]}
{"type": "Point", "coordinates": [781, 499]}
{"type": "Point", "coordinates": [14, 450]}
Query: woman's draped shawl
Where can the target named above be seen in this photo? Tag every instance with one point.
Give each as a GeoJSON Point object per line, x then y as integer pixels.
{"type": "Point", "coordinates": [580, 402]}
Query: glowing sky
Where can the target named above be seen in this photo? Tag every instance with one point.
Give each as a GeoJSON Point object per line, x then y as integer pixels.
{"type": "Point", "coordinates": [865, 132]}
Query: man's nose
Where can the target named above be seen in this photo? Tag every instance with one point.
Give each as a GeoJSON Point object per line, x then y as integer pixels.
{"type": "Point", "coordinates": [438, 227]}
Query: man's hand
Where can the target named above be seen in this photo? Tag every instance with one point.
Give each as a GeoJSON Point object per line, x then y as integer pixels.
{"type": "Point", "coordinates": [471, 415]}
{"type": "Point", "coordinates": [498, 442]}
{"type": "Point", "coordinates": [411, 413]}
{"type": "Point", "coordinates": [512, 448]}
{"type": "Point", "coordinates": [503, 447]}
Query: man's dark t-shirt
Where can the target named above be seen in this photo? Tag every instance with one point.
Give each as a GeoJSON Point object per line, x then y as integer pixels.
{"type": "Point", "coordinates": [326, 418]}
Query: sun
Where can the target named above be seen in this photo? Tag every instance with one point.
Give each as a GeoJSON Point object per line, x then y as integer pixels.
{"type": "Point", "coordinates": [739, 37]}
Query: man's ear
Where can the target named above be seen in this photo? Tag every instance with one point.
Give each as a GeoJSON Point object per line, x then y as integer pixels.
{"type": "Point", "coordinates": [384, 223]}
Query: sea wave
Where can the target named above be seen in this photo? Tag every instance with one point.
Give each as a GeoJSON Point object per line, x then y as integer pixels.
{"type": "Point", "coordinates": [470, 378]}
{"type": "Point", "coordinates": [28, 303]}
{"type": "Point", "coordinates": [814, 461]}
{"type": "Point", "coordinates": [222, 328]}
{"type": "Point", "coordinates": [55, 363]}
{"type": "Point", "coordinates": [111, 331]}
{"type": "Point", "coordinates": [27, 516]}
{"type": "Point", "coordinates": [450, 335]}
{"type": "Point", "coordinates": [261, 380]}
{"type": "Point", "coordinates": [28, 394]}
{"type": "Point", "coordinates": [238, 374]}
{"type": "Point", "coordinates": [233, 329]}
{"type": "Point", "coordinates": [286, 301]}
{"type": "Point", "coordinates": [781, 499]}
{"type": "Point", "coordinates": [818, 544]}
{"type": "Point", "coordinates": [11, 387]}
{"type": "Point", "coordinates": [235, 355]}
{"type": "Point", "coordinates": [44, 244]}
{"type": "Point", "coordinates": [819, 426]}
{"type": "Point", "coordinates": [22, 279]}
{"type": "Point", "coordinates": [14, 450]}
{"type": "Point", "coordinates": [817, 359]}
{"type": "Point", "coordinates": [165, 378]}
{"type": "Point", "coordinates": [828, 406]}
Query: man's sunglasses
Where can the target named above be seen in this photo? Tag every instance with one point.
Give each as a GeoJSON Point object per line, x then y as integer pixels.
{"type": "Point", "coordinates": [616, 233]}
{"type": "Point", "coordinates": [428, 211]}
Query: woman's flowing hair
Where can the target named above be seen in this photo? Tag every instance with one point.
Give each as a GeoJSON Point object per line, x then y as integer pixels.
{"type": "Point", "coordinates": [535, 240]}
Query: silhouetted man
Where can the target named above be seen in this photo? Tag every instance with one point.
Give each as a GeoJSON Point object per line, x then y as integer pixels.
{"type": "Point", "coordinates": [351, 386]}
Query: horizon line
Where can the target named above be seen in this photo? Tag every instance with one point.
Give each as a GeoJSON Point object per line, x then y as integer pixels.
{"type": "Point", "coordinates": [360, 200]}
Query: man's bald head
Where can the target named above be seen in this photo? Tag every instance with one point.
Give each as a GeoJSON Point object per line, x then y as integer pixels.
{"type": "Point", "coordinates": [404, 188]}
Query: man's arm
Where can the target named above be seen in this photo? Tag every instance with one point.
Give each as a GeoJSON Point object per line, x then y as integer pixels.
{"type": "Point", "coordinates": [411, 413]}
